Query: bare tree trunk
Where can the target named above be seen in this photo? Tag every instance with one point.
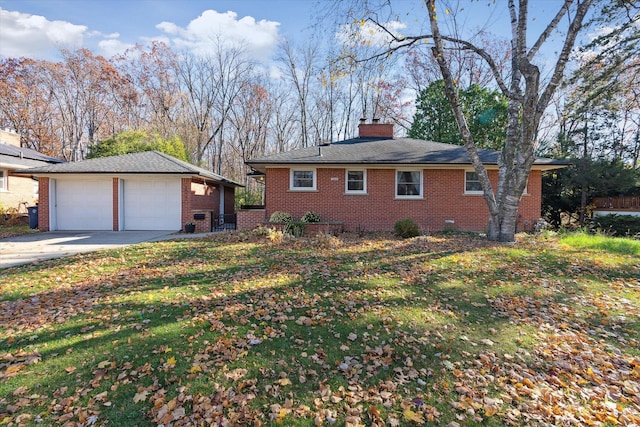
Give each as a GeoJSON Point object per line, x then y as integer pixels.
{"type": "Point", "coordinates": [527, 102]}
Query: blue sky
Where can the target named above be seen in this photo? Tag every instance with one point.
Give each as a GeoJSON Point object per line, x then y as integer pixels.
{"type": "Point", "coordinates": [40, 28]}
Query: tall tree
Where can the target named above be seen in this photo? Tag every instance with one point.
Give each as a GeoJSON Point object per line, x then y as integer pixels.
{"type": "Point", "coordinates": [26, 105]}
{"type": "Point", "coordinates": [84, 88]}
{"type": "Point", "coordinates": [153, 72]}
{"type": "Point", "coordinates": [299, 66]}
{"type": "Point", "coordinates": [248, 129]}
{"type": "Point", "coordinates": [210, 85]}
{"type": "Point", "coordinates": [527, 92]}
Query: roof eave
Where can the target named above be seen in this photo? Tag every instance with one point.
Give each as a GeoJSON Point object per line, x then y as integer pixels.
{"type": "Point", "coordinates": [261, 167]}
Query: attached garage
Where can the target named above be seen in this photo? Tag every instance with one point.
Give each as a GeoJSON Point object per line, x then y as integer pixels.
{"type": "Point", "coordinates": [137, 191]}
{"type": "Point", "coordinates": [152, 204]}
{"type": "Point", "coordinates": [82, 204]}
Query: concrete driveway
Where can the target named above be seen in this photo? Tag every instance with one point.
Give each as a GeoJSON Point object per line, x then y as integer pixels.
{"type": "Point", "coordinates": [55, 244]}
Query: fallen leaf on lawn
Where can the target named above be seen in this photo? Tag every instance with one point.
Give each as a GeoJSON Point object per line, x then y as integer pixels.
{"type": "Point", "coordinates": [13, 369]}
{"type": "Point", "coordinates": [284, 381]}
{"type": "Point", "coordinates": [70, 369]}
{"type": "Point", "coordinates": [412, 416]}
{"type": "Point", "coordinates": [20, 390]}
{"type": "Point", "coordinates": [236, 374]}
{"type": "Point", "coordinates": [141, 396]}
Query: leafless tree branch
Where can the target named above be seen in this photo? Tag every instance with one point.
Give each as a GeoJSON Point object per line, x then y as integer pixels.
{"type": "Point", "coordinates": [407, 41]}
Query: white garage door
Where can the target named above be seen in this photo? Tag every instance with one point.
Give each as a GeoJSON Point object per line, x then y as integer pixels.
{"type": "Point", "coordinates": [84, 204]}
{"type": "Point", "coordinates": [152, 204]}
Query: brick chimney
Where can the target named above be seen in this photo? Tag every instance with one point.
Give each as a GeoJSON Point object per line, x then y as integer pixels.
{"type": "Point", "coordinates": [375, 129]}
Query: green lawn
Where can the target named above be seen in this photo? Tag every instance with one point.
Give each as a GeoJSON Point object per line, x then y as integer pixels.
{"type": "Point", "coordinates": [241, 329]}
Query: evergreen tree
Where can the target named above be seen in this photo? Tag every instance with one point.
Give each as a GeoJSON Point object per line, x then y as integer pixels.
{"type": "Point", "coordinates": [484, 109]}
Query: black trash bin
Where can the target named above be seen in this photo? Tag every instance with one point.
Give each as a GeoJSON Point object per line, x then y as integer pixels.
{"type": "Point", "coordinates": [33, 217]}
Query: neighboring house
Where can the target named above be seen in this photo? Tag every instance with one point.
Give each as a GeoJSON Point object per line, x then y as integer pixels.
{"type": "Point", "coordinates": [621, 205]}
{"type": "Point", "coordinates": [18, 192]}
{"type": "Point", "coordinates": [137, 191]}
{"type": "Point", "coordinates": [370, 182]}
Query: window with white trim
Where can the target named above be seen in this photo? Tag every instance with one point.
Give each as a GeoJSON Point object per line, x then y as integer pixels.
{"type": "Point", "coordinates": [409, 184]}
{"type": "Point", "coordinates": [3, 179]}
{"type": "Point", "coordinates": [472, 183]}
{"type": "Point", "coordinates": [303, 179]}
{"type": "Point", "coordinates": [356, 181]}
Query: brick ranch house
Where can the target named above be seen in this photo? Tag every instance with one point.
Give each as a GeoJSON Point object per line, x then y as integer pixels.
{"type": "Point", "coordinates": [372, 181]}
{"type": "Point", "coordinates": [136, 191]}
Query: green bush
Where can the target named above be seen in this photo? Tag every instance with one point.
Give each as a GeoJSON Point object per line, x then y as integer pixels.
{"type": "Point", "coordinates": [406, 228]}
{"type": "Point", "coordinates": [295, 228]}
{"type": "Point", "coordinates": [618, 225]}
{"type": "Point", "coordinates": [246, 197]}
{"type": "Point", "coordinates": [278, 216]}
{"type": "Point", "coordinates": [310, 217]}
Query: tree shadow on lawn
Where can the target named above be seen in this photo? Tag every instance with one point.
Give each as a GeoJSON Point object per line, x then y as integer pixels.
{"type": "Point", "coordinates": [299, 315]}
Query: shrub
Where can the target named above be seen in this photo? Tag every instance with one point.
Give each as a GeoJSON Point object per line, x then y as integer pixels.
{"type": "Point", "coordinates": [10, 216]}
{"type": "Point", "coordinates": [310, 217]}
{"type": "Point", "coordinates": [618, 225]}
{"type": "Point", "coordinates": [295, 228]}
{"type": "Point", "coordinates": [278, 216]}
{"type": "Point", "coordinates": [406, 228]}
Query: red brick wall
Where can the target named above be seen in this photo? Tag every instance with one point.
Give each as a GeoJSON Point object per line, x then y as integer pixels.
{"type": "Point", "coordinates": [250, 218]}
{"type": "Point", "coordinates": [187, 215]}
{"type": "Point", "coordinates": [43, 204]}
{"type": "Point", "coordinates": [203, 196]}
{"type": "Point", "coordinates": [199, 197]}
{"type": "Point", "coordinates": [444, 199]}
{"type": "Point", "coordinates": [204, 200]}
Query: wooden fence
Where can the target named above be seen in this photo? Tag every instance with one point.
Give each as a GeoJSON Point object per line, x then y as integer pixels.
{"type": "Point", "coordinates": [631, 203]}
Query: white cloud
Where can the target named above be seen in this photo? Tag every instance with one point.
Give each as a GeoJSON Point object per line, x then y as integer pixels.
{"type": "Point", "coordinates": [168, 27]}
{"type": "Point", "coordinates": [258, 38]}
{"type": "Point", "coordinates": [33, 36]}
{"type": "Point", "coordinates": [112, 46]}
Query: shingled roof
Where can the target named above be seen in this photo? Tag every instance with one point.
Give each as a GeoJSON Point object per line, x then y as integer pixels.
{"type": "Point", "coordinates": [385, 151]}
{"type": "Point", "coordinates": [147, 162]}
{"type": "Point", "coordinates": [24, 156]}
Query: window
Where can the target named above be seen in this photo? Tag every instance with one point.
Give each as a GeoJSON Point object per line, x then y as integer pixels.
{"type": "Point", "coordinates": [409, 184]}
{"type": "Point", "coordinates": [356, 181]}
{"type": "Point", "coordinates": [472, 183]}
{"type": "Point", "coordinates": [3, 180]}
{"type": "Point", "coordinates": [303, 180]}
